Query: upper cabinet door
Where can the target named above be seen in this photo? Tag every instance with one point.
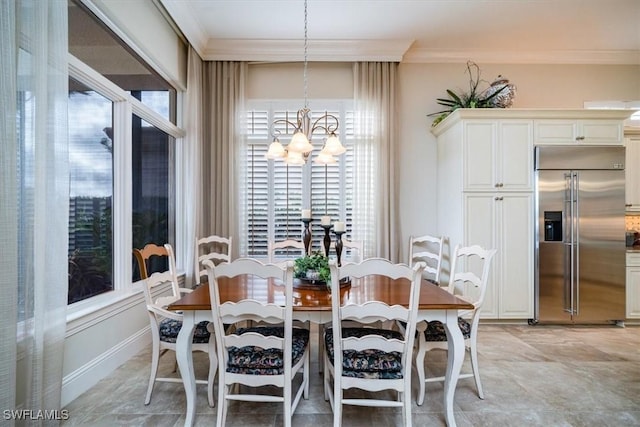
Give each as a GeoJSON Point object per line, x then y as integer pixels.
{"type": "Point", "coordinates": [581, 131]}
{"type": "Point", "coordinates": [632, 173]}
{"type": "Point", "coordinates": [514, 157]}
{"type": "Point", "coordinates": [498, 155]}
{"type": "Point", "coordinates": [479, 152]}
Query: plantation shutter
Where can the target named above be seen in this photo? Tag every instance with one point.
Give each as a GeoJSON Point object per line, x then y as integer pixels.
{"type": "Point", "coordinates": [273, 194]}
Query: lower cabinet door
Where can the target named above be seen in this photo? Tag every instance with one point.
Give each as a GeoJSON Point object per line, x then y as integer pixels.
{"type": "Point", "coordinates": [633, 292]}
{"type": "Point", "coordinates": [504, 221]}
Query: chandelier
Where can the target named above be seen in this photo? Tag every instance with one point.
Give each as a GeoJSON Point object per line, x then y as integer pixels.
{"type": "Point", "coordinates": [299, 148]}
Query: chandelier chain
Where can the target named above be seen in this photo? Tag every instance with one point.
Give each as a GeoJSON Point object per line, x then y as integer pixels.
{"type": "Point", "coordinates": [306, 46]}
{"type": "Point", "coordinates": [299, 148]}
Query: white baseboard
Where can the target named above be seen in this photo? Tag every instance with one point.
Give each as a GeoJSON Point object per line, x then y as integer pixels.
{"type": "Point", "coordinates": [85, 377]}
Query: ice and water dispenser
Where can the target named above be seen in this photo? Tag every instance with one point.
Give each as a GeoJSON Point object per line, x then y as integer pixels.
{"type": "Point", "coordinates": [552, 226]}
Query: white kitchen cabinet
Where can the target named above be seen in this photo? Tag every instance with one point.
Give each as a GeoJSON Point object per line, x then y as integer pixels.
{"type": "Point", "coordinates": [504, 221]}
{"type": "Point", "coordinates": [632, 173]}
{"type": "Point", "coordinates": [485, 188]}
{"type": "Point", "coordinates": [577, 131]}
{"type": "Point", "coordinates": [633, 285]}
{"type": "Point", "coordinates": [494, 153]}
{"type": "Point", "coordinates": [474, 154]}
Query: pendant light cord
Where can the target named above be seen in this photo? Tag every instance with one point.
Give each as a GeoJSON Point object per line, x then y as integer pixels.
{"type": "Point", "coordinates": [306, 43]}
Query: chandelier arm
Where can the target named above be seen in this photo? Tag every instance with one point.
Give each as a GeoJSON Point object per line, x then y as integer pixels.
{"type": "Point", "coordinates": [282, 121]}
{"type": "Point", "coordinates": [328, 128]}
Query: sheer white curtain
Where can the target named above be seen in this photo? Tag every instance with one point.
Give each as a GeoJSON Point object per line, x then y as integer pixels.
{"type": "Point", "coordinates": [191, 170]}
{"type": "Point", "coordinates": [34, 202]}
{"type": "Point", "coordinates": [375, 186]}
{"type": "Point", "coordinates": [222, 124]}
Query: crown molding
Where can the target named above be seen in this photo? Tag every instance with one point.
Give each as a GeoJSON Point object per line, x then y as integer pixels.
{"type": "Point", "coordinates": [189, 25]}
{"type": "Point", "coordinates": [606, 57]}
{"type": "Point", "coordinates": [293, 50]}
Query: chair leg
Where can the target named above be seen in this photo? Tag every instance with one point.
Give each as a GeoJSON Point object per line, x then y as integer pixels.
{"type": "Point", "coordinates": [321, 328]}
{"type": "Point", "coordinates": [288, 413]}
{"type": "Point", "coordinates": [223, 389]}
{"type": "Point", "coordinates": [420, 367]}
{"type": "Point", "coordinates": [213, 368]}
{"type": "Point", "coordinates": [406, 404]}
{"type": "Point", "coordinates": [473, 353]}
{"type": "Point", "coordinates": [306, 373]}
{"type": "Point", "coordinates": [155, 358]}
{"type": "Point", "coordinates": [337, 404]}
{"type": "Point", "coordinates": [325, 362]}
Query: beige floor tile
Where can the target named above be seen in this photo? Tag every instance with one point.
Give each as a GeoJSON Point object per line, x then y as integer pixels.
{"type": "Point", "coordinates": [532, 376]}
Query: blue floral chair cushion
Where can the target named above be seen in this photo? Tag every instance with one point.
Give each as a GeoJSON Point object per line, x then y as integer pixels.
{"type": "Point", "coordinates": [373, 364]}
{"type": "Point", "coordinates": [253, 360]}
{"type": "Point", "coordinates": [435, 330]}
{"type": "Point", "coordinates": [169, 329]}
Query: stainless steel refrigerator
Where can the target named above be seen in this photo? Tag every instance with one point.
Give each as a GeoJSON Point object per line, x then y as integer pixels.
{"type": "Point", "coordinates": [580, 234]}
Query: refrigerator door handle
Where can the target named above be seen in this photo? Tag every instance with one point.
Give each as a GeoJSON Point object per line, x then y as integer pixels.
{"type": "Point", "coordinates": [576, 266]}
{"type": "Point", "coordinates": [567, 213]}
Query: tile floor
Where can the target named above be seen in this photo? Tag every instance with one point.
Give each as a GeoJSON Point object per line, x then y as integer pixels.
{"type": "Point", "coordinates": [532, 376]}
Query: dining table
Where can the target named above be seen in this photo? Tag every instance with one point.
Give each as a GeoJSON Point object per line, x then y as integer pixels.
{"type": "Point", "coordinates": [313, 304]}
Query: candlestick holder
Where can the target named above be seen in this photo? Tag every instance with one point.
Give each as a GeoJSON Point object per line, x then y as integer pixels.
{"type": "Point", "coordinates": [338, 245]}
{"type": "Point", "coordinates": [306, 235]}
{"type": "Point", "coordinates": [327, 239]}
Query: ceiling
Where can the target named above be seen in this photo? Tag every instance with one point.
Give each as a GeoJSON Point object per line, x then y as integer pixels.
{"type": "Point", "coordinates": [488, 31]}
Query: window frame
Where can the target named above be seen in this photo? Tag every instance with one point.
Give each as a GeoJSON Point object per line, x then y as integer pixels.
{"type": "Point", "coordinates": [124, 107]}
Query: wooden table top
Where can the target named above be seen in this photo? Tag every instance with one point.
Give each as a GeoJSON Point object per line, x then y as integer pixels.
{"type": "Point", "coordinates": [369, 288]}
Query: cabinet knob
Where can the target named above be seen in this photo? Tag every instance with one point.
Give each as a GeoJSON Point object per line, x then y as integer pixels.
{"type": "Point", "coordinates": [497, 198]}
{"type": "Point", "coordinates": [579, 138]}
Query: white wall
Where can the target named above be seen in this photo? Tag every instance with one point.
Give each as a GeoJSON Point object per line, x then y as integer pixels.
{"type": "Point", "coordinates": [325, 80]}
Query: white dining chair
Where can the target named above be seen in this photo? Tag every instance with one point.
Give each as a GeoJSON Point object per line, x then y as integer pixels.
{"type": "Point", "coordinates": [270, 354]}
{"type": "Point", "coordinates": [468, 279]}
{"type": "Point", "coordinates": [288, 247]}
{"type": "Point", "coordinates": [165, 326]}
{"type": "Point", "coordinates": [428, 249]}
{"type": "Point", "coordinates": [355, 248]}
{"type": "Point", "coordinates": [215, 248]}
{"type": "Point", "coordinates": [370, 358]}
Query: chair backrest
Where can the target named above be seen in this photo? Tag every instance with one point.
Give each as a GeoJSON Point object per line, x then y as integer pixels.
{"type": "Point", "coordinates": [227, 312]}
{"type": "Point", "coordinates": [156, 305]}
{"type": "Point", "coordinates": [214, 248]}
{"type": "Point", "coordinates": [371, 311]}
{"type": "Point", "coordinates": [353, 245]}
{"type": "Point", "coordinates": [143, 256]}
{"type": "Point", "coordinates": [427, 249]}
{"type": "Point", "coordinates": [282, 245]}
{"type": "Point", "coordinates": [469, 276]}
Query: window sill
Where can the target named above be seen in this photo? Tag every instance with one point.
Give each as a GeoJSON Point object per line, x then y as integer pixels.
{"type": "Point", "coordinates": [91, 311]}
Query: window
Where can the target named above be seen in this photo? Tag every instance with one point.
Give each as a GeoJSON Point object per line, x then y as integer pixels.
{"type": "Point", "coordinates": [90, 193]}
{"type": "Point", "coordinates": [152, 189]}
{"type": "Point", "coordinates": [122, 158]}
{"type": "Point", "coordinates": [274, 194]}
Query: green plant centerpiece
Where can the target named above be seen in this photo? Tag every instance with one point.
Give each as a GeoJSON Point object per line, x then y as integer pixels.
{"type": "Point", "coordinates": [313, 268]}
{"type": "Point", "coordinates": [499, 94]}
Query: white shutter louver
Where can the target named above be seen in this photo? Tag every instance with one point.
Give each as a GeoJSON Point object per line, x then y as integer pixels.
{"type": "Point", "coordinates": [274, 194]}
